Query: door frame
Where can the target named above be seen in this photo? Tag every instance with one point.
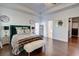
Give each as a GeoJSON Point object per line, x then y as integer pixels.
{"type": "Point", "coordinates": [70, 28]}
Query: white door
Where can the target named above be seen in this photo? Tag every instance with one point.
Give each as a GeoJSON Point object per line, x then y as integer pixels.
{"type": "Point", "coordinates": [50, 29]}
{"type": "Point", "coordinates": [37, 28]}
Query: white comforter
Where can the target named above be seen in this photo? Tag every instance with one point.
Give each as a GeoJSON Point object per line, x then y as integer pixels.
{"type": "Point", "coordinates": [15, 39]}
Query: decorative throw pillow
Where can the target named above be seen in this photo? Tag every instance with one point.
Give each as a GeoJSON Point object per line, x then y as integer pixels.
{"type": "Point", "coordinates": [26, 30]}
{"type": "Point", "coordinates": [19, 30]}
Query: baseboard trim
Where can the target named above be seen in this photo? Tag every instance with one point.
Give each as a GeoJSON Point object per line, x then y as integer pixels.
{"type": "Point", "coordinates": [60, 40]}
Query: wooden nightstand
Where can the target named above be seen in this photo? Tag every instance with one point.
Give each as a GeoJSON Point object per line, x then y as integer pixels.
{"type": "Point", "coordinates": [5, 40]}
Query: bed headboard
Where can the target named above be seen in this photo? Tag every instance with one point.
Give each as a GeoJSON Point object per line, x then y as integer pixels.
{"type": "Point", "coordinates": [13, 30]}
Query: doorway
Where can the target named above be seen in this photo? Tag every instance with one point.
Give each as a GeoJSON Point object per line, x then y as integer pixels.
{"type": "Point", "coordinates": [73, 27]}
{"type": "Point", "coordinates": [41, 30]}
{"type": "Point", "coordinates": [73, 31]}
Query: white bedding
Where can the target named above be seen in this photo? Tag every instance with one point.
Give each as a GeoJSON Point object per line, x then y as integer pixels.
{"type": "Point", "coordinates": [15, 39]}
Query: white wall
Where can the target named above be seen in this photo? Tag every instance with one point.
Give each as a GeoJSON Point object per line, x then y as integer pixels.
{"type": "Point", "coordinates": [17, 18]}
{"type": "Point", "coordinates": [61, 33]}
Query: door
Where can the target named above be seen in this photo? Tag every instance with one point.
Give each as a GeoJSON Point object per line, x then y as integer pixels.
{"type": "Point", "coordinates": [37, 28]}
{"type": "Point", "coordinates": [50, 29]}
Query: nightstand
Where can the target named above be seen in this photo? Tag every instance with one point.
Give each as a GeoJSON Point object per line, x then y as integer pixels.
{"type": "Point", "coordinates": [5, 40]}
{"type": "Point", "coordinates": [0, 44]}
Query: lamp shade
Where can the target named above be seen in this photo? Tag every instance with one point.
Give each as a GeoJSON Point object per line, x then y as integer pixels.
{"type": "Point", "coordinates": [6, 27]}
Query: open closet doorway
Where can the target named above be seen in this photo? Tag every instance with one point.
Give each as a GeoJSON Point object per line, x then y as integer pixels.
{"type": "Point", "coordinates": [73, 32]}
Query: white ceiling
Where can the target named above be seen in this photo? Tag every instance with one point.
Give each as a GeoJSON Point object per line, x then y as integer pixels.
{"type": "Point", "coordinates": [39, 7]}
{"type": "Point", "coordinates": [36, 8]}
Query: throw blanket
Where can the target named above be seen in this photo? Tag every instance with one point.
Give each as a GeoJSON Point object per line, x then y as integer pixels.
{"type": "Point", "coordinates": [18, 42]}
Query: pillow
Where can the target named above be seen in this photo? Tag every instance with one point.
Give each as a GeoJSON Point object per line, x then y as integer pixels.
{"type": "Point", "coordinates": [19, 30]}
{"type": "Point", "coordinates": [26, 30]}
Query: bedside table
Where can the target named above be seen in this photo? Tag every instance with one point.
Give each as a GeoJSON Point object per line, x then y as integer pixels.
{"type": "Point", "coordinates": [0, 44]}
{"type": "Point", "coordinates": [5, 40]}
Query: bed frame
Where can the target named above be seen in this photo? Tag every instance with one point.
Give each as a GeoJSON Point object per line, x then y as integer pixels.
{"type": "Point", "coordinates": [13, 30]}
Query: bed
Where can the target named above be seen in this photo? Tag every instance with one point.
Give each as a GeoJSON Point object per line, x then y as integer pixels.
{"type": "Point", "coordinates": [19, 40]}
{"type": "Point", "coordinates": [13, 30]}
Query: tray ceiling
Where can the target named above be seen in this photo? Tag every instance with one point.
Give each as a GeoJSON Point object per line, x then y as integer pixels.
{"type": "Point", "coordinates": [35, 8]}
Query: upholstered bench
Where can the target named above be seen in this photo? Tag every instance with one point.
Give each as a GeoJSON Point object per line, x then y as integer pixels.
{"type": "Point", "coordinates": [33, 46]}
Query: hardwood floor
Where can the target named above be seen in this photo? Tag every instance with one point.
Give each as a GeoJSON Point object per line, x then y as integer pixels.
{"type": "Point", "coordinates": [5, 51]}
{"type": "Point", "coordinates": [52, 48]}
{"type": "Point", "coordinates": [73, 46]}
